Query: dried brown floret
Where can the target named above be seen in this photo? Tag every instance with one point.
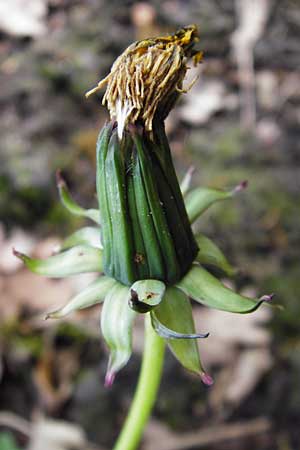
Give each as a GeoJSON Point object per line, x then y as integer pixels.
{"type": "Point", "coordinates": [147, 77]}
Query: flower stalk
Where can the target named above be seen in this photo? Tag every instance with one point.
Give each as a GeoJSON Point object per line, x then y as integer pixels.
{"type": "Point", "coordinates": [146, 391]}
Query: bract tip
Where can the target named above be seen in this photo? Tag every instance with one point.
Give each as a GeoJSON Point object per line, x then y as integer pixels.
{"type": "Point", "coordinates": [206, 379]}
{"type": "Point", "coordinates": [18, 254]}
{"type": "Point", "coordinates": [241, 186]}
{"type": "Point", "coordinates": [59, 179]}
{"type": "Point", "coordinates": [267, 297]}
{"type": "Point", "coordinates": [109, 379]}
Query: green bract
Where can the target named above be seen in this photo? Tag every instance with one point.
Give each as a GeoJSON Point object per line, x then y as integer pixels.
{"type": "Point", "coordinates": [210, 254]}
{"type": "Point", "coordinates": [78, 259]}
{"type": "Point", "coordinates": [116, 325]}
{"type": "Point", "coordinates": [84, 236]}
{"type": "Point", "coordinates": [175, 312]}
{"type": "Point", "coordinates": [91, 295]}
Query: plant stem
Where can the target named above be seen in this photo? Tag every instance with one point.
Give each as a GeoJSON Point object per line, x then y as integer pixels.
{"type": "Point", "coordinates": [146, 390]}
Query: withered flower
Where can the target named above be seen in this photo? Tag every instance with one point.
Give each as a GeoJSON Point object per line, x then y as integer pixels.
{"type": "Point", "coordinates": [147, 78]}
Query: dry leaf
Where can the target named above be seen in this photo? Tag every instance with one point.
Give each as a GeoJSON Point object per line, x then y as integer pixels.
{"type": "Point", "coordinates": [56, 435]}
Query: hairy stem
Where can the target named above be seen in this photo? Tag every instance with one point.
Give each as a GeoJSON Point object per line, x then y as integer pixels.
{"type": "Point", "coordinates": [146, 391]}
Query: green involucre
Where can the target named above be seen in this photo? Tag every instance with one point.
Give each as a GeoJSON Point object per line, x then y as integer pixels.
{"type": "Point", "coordinates": [146, 233]}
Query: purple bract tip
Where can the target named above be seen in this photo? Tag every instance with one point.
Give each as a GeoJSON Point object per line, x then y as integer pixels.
{"type": "Point", "coordinates": [17, 254]}
{"type": "Point", "coordinates": [267, 298]}
{"type": "Point", "coordinates": [207, 379]}
{"type": "Point", "coordinates": [241, 186]}
{"type": "Point", "coordinates": [109, 379]}
{"type": "Point", "coordinates": [59, 179]}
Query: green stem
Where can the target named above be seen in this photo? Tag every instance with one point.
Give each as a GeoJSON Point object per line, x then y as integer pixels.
{"type": "Point", "coordinates": [146, 391]}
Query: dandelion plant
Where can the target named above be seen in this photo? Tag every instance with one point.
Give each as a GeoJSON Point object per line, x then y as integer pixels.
{"type": "Point", "coordinates": [142, 244]}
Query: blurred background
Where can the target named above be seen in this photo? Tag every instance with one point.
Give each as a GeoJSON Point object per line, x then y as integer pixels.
{"type": "Point", "coordinates": [240, 121]}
